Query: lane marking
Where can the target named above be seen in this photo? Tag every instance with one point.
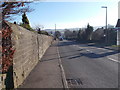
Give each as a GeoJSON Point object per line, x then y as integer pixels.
{"type": "Point", "coordinates": [103, 52]}
{"type": "Point", "coordinates": [101, 48]}
{"type": "Point", "coordinates": [104, 49]}
{"type": "Point", "coordinates": [65, 84]}
{"type": "Point", "coordinates": [89, 51]}
{"type": "Point", "coordinates": [74, 45]}
{"type": "Point", "coordinates": [113, 60]}
{"type": "Point", "coordinates": [107, 57]}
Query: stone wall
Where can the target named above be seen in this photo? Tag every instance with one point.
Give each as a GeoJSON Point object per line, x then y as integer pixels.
{"type": "Point", "coordinates": [29, 49]}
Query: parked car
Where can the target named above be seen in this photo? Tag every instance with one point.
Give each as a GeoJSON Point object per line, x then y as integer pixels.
{"type": "Point", "coordinates": [61, 39]}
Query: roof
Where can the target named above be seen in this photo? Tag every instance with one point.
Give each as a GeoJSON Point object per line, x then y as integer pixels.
{"type": "Point", "coordinates": [99, 31]}
{"type": "Point", "coordinates": [118, 23]}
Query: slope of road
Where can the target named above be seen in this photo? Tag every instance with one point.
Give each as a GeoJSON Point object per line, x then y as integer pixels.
{"type": "Point", "coordinates": [88, 67]}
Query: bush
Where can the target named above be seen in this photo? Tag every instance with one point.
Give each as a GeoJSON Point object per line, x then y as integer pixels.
{"type": "Point", "coordinates": [44, 32]}
{"type": "Point", "coordinates": [27, 26]}
{"type": "Point", "coordinates": [25, 23]}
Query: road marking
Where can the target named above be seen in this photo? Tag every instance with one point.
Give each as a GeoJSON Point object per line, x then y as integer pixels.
{"type": "Point", "coordinates": [62, 70]}
{"type": "Point", "coordinates": [113, 60]}
{"type": "Point", "coordinates": [104, 49]}
{"type": "Point", "coordinates": [89, 51]}
{"type": "Point", "coordinates": [107, 57]}
{"type": "Point", "coordinates": [74, 45]}
{"type": "Point", "coordinates": [103, 52]}
{"type": "Point", "coordinates": [101, 48]}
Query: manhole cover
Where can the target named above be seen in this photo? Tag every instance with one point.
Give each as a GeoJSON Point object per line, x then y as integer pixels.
{"type": "Point", "coordinates": [75, 81]}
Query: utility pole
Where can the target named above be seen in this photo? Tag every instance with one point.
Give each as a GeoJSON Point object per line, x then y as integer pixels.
{"type": "Point", "coordinates": [106, 31]}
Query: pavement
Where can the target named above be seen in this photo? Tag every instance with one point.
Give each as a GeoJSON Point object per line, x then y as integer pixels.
{"type": "Point", "coordinates": [47, 73]}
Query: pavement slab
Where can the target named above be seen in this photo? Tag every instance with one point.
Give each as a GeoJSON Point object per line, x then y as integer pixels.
{"type": "Point", "coordinates": [47, 73]}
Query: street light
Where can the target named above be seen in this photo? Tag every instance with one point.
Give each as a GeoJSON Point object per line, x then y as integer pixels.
{"type": "Point", "coordinates": [55, 27]}
{"type": "Point", "coordinates": [106, 24]}
{"type": "Point", "coordinates": [55, 32]}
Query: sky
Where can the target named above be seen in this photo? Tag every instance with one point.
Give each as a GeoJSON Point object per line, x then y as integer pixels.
{"type": "Point", "coordinates": [69, 14]}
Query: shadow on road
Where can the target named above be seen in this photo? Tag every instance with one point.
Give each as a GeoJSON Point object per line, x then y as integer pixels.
{"type": "Point", "coordinates": [89, 55]}
{"type": "Point", "coordinates": [94, 55]}
{"type": "Point", "coordinates": [68, 43]}
{"type": "Point", "coordinates": [86, 54]}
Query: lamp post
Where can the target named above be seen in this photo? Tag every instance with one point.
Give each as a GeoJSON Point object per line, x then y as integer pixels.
{"type": "Point", "coordinates": [55, 27]}
{"type": "Point", "coordinates": [55, 32]}
{"type": "Point", "coordinates": [106, 31]}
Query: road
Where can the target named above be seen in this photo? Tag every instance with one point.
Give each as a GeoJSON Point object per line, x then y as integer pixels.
{"type": "Point", "coordinates": [88, 66]}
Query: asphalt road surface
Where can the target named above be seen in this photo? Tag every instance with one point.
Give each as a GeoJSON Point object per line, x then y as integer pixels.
{"type": "Point", "coordinates": [87, 66]}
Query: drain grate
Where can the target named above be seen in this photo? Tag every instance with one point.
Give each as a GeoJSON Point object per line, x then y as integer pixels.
{"type": "Point", "coordinates": [75, 81]}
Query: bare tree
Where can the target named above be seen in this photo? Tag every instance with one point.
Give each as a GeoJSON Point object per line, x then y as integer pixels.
{"type": "Point", "coordinates": [39, 26]}
{"type": "Point", "coordinates": [10, 8]}
{"type": "Point", "coordinates": [57, 34]}
{"type": "Point", "coordinates": [67, 33]}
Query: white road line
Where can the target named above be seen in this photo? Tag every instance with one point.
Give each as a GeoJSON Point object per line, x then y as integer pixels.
{"type": "Point", "coordinates": [76, 46]}
{"type": "Point", "coordinates": [107, 57]}
{"type": "Point", "coordinates": [104, 52]}
{"type": "Point", "coordinates": [114, 60]}
{"type": "Point", "coordinates": [89, 51]}
{"type": "Point", "coordinates": [104, 49]}
{"type": "Point", "coordinates": [100, 48]}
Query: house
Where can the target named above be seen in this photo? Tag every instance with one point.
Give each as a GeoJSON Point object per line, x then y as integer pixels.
{"type": "Point", "coordinates": [98, 34]}
{"type": "Point", "coordinates": [118, 32]}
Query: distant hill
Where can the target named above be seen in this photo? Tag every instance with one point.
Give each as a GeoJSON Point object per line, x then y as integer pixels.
{"type": "Point", "coordinates": [62, 30]}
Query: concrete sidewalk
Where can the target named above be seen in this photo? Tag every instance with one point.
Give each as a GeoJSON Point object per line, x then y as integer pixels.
{"type": "Point", "coordinates": [47, 73]}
